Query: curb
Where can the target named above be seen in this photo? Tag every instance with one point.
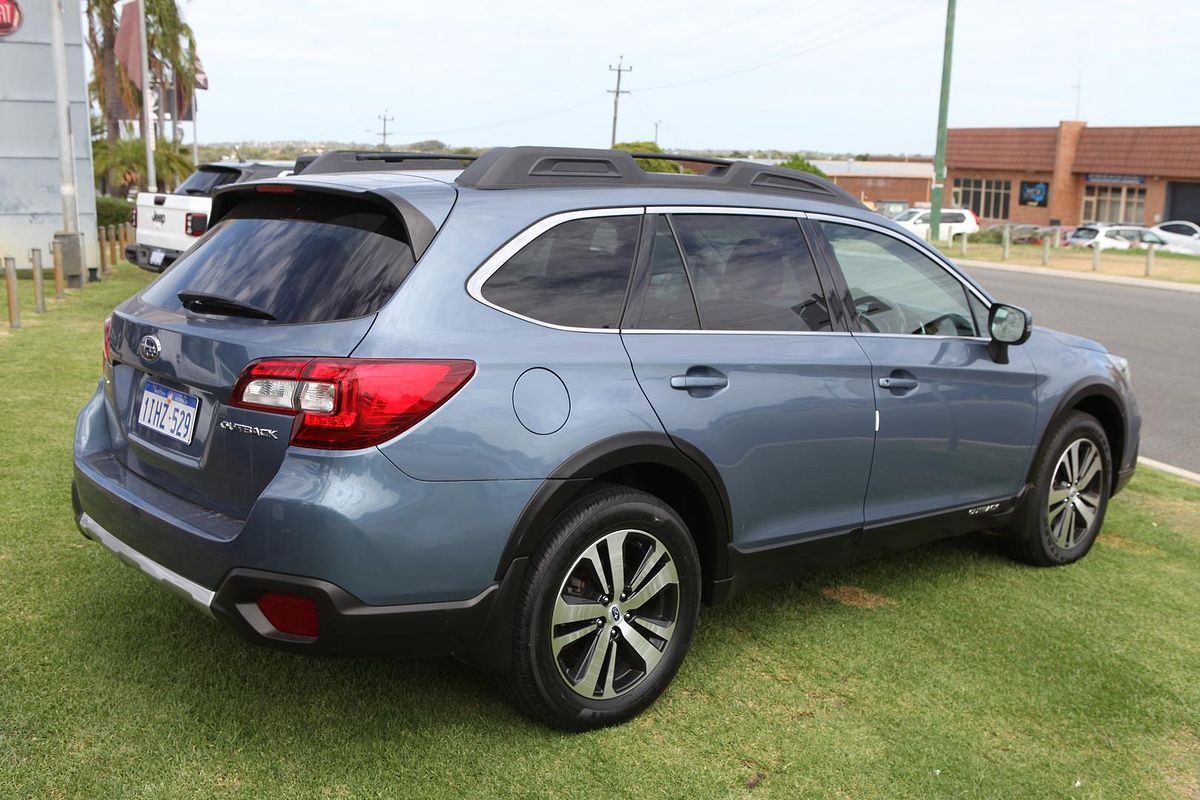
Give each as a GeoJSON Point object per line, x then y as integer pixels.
{"type": "Point", "coordinates": [1143, 283]}
{"type": "Point", "coordinates": [1178, 472]}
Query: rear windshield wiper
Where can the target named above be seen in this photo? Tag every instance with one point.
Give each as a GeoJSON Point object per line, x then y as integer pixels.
{"type": "Point", "coordinates": [207, 303]}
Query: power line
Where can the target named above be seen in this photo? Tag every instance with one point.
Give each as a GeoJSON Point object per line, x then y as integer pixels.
{"type": "Point", "coordinates": [616, 93]}
{"type": "Point", "coordinates": [385, 119]}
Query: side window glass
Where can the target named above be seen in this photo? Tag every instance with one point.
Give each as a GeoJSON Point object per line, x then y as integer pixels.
{"type": "Point", "coordinates": [923, 219]}
{"type": "Point", "coordinates": [667, 300]}
{"type": "Point", "coordinates": [574, 274]}
{"type": "Point", "coordinates": [752, 273]}
{"type": "Point", "coordinates": [952, 218]}
{"type": "Point", "coordinates": [897, 289]}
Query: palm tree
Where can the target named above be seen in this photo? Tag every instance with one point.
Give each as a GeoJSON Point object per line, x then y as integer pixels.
{"type": "Point", "coordinates": [122, 163]}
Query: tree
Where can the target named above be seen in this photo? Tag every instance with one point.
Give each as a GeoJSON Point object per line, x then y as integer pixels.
{"type": "Point", "coordinates": [802, 164]}
{"type": "Point", "coordinates": [650, 164]}
{"type": "Point", "coordinates": [122, 163]}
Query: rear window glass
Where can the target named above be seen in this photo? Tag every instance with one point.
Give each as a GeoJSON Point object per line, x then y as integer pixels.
{"type": "Point", "coordinates": [203, 181]}
{"type": "Point", "coordinates": [574, 274]}
{"type": "Point", "coordinates": [301, 258]}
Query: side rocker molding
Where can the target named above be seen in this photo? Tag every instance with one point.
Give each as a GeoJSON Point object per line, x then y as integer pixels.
{"type": "Point", "coordinates": [574, 475]}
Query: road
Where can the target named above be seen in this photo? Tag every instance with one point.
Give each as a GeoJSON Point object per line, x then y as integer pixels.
{"type": "Point", "coordinates": [1157, 330]}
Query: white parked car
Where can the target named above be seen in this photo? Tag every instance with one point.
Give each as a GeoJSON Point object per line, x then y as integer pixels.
{"type": "Point", "coordinates": [1180, 235]}
{"type": "Point", "coordinates": [954, 221]}
{"type": "Point", "coordinates": [167, 224]}
{"type": "Point", "coordinates": [1113, 237]}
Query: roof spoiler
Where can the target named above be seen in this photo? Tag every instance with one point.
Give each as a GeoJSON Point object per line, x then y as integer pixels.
{"type": "Point", "coordinates": [377, 161]}
{"type": "Point", "coordinates": [525, 167]}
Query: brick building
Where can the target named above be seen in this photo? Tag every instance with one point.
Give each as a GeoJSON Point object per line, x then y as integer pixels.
{"type": "Point", "coordinates": [1074, 174]}
{"type": "Point", "coordinates": [887, 186]}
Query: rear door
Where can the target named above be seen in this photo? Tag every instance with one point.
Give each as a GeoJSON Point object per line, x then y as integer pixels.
{"type": "Point", "coordinates": [956, 429]}
{"type": "Point", "coordinates": [732, 340]}
{"type": "Point", "coordinates": [283, 274]}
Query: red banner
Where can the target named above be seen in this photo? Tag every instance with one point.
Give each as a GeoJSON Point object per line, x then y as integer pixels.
{"type": "Point", "coordinates": [10, 17]}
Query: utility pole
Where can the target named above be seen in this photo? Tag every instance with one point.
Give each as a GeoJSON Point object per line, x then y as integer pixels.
{"type": "Point", "coordinates": [939, 157]}
{"type": "Point", "coordinates": [147, 121]}
{"type": "Point", "coordinates": [616, 93]}
{"type": "Point", "coordinates": [66, 138]}
{"type": "Point", "coordinates": [657, 122]}
{"type": "Point", "coordinates": [385, 119]}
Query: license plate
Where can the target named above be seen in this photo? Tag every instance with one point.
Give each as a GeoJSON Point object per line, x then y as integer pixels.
{"type": "Point", "coordinates": [156, 258]}
{"type": "Point", "coordinates": [168, 412]}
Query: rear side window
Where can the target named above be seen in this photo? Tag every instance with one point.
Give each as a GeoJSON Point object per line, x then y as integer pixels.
{"type": "Point", "coordinates": [300, 257]}
{"type": "Point", "coordinates": [574, 274]}
{"type": "Point", "coordinates": [203, 181]}
{"type": "Point", "coordinates": [953, 217]}
{"type": "Point", "coordinates": [752, 273]}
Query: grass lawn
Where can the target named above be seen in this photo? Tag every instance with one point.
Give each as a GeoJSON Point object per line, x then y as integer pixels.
{"type": "Point", "coordinates": [1132, 263]}
{"type": "Point", "coordinates": [946, 672]}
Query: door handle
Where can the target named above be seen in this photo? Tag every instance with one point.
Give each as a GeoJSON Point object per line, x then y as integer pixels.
{"type": "Point", "coordinates": [899, 383]}
{"type": "Point", "coordinates": [699, 381]}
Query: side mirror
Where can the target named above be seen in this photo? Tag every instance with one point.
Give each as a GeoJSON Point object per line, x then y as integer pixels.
{"type": "Point", "coordinates": [1008, 325]}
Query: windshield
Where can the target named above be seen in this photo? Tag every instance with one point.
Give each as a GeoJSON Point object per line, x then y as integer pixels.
{"type": "Point", "coordinates": [297, 257]}
{"type": "Point", "coordinates": [206, 179]}
{"type": "Point", "coordinates": [1084, 233]}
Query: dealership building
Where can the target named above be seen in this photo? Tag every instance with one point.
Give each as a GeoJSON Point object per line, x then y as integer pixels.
{"type": "Point", "coordinates": [1075, 174]}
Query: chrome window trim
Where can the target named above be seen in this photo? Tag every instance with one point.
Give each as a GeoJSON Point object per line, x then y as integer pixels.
{"type": "Point", "coordinates": [743, 210]}
{"type": "Point", "coordinates": [660, 331]}
{"type": "Point", "coordinates": [191, 591]}
{"type": "Point", "coordinates": [514, 245]}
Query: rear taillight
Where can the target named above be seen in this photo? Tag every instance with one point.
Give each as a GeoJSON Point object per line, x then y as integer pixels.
{"type": "Point", "coordinates": [107, 347]}
{"type": "Point", "coordinates": [348, 403]}
{"type": "Point", "coordinates": [290, 613]}
{"type": "Point", "coordinates": [195, 224]}
{"type": "Point", "coordinates": [974, 215]}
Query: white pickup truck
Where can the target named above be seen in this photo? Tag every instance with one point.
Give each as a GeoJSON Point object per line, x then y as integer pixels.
{"type": "Point", "coordinates": [168, 224]}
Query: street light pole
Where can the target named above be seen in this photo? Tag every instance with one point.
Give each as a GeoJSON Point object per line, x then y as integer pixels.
{"type": "Point", "coordinates": [66, 138]}
{"type": "Point", "coordinates": [939, 157]}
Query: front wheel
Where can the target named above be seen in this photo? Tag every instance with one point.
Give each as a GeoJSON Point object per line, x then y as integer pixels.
{"type": "Point", "coordinates": [608, 611]}
{"type": "Point", "coordinates": [1072, 480]}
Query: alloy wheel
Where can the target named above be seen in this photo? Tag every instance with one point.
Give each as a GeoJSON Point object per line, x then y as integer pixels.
{"type": "Point", "coordinates": [1075, 493]}
{"type": "Point", "coordinates": [615, 614]}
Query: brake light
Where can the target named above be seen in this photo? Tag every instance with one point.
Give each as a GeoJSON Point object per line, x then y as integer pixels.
{"type": "Point", "coordinates": [107, 347]}
{"type": "Point", "coordinates": [275, 188]}
{"type": "Point", "coordinates": [290, 613]}
{"type": "Point", "coordinates": [973, 214]}
{"type": "Point", "coordinates": [195, 224]}
{"type": "Point", "coordinates": [349, 403]}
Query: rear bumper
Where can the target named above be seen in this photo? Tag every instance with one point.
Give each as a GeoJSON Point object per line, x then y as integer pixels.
{"type": "Point", "coordinates": [477, 630]}
{"type": "Point", "coordinates": [140, 254]}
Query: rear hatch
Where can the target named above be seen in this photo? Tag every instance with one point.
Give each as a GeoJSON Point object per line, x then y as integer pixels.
{"type": "Point", "coordinates": [286, 271]}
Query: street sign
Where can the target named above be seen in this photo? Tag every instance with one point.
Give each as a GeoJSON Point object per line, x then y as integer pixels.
{"type": "Point", "coordinates": [10, 17]}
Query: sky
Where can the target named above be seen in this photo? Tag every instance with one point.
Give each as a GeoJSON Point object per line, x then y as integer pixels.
{"type": "Point", "coordinates": [848, 76]}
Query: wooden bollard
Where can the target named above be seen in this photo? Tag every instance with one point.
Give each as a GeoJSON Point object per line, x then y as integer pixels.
{"type": "Point", "coordinates": [121, 239]}
{"type": "Point", "coordinates": [59, 282]}
{"type": "Point", "coordinates": [112, 247]}
{"type": "Point", "coordinates": [10, 283]}
{"type": "Point", "coordinates": [103, 249]}
{"type": "Point", "coordinates": [39, 289]}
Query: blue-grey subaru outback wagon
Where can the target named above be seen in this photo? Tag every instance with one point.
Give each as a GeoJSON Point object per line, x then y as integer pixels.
{"type": "Point", "coordinates": [532, 409]}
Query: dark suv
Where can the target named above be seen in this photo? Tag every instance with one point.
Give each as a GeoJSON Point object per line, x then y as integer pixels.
{"type": "Point", "coordinates": [532, 409]}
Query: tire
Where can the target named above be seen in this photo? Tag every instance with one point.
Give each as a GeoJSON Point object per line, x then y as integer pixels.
{"type": "Point", "coordinates": [1054, 526]}
{"type": "Point", "coordinates": [602, 663]}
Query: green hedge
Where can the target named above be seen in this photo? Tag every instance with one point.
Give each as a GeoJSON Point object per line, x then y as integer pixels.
{"type": "Point", "coordinates": [112, 210]}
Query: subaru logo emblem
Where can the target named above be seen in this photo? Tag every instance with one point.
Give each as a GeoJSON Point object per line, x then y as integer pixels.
{"type": "Point", "coordinates": [616, 614]}
{"type": "Point", "coordinates": [150, 348]}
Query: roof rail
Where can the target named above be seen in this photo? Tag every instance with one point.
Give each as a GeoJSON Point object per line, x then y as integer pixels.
{"type": "Point", "coordinates": [526, 167]}
{"type": "Point", "coordinates": [377, 161]}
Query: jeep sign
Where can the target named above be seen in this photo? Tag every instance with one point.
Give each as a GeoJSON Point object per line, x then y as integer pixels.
{"type": "Point", "coordinates": [10, 17]}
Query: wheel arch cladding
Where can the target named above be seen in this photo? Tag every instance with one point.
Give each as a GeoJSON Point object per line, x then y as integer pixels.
{"type": "Point", "coordinates": [651, 462]}
{"type": "Point", "coordinates": [1103, 403]}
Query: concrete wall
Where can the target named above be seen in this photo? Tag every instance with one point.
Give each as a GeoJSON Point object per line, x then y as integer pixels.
{"type": "Point", "coordinates": [30, 199]}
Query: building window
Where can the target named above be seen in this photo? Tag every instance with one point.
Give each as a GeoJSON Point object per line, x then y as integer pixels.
{"type": "Point", "coordinates": [1125, 204]}
{"type": "Point", "coordinates": [987, 198]}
